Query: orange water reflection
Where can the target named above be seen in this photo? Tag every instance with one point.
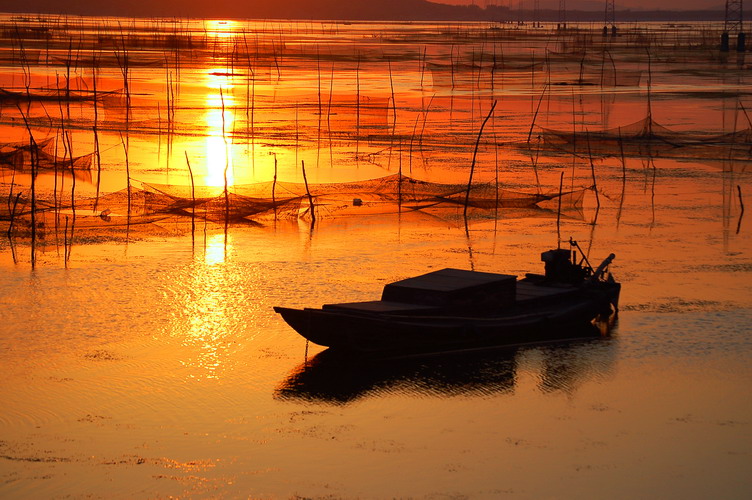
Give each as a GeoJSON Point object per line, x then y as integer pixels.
{"type": "Point", "coordinates": [203, 323]}
{"type": "Point", "coordinates": [219, 120]}
{"type": "Point", "coordinates": [221, 28]}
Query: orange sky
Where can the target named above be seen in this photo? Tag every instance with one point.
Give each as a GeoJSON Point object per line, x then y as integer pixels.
{"type": "Point", "coordinates": [595, 4]}
{"type": "Point", "coordinates": [313, 8]}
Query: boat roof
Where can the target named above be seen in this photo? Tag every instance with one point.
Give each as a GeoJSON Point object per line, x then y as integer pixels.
{"type": "Point", "coordinates": [447, 286]}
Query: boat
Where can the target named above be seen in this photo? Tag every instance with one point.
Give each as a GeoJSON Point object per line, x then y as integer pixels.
{"type": "Point", "coordinates": [456, 309]}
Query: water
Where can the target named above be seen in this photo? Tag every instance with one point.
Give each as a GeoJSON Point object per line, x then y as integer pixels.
{"type": "Point", "coordinates": [151, 364]}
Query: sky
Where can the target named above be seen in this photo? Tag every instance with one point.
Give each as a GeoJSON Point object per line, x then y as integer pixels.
{"type": "Point", "coordinates": [312, 8]}
{"type": "Point", "coordinates": [620, 4]}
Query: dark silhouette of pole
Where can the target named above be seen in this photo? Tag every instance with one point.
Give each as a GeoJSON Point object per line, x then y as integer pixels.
{"type": "Point", "coordinates": [308, 192]}
{"type": "Point", "coordinates": [475, 155]}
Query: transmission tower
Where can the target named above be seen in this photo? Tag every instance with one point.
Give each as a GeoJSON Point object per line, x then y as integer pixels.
{"type": "Point", "coordinates": [733, 23]}
{"type": "Point", "coordinates": [611, 13]}
{"type": "Point", "coordinates": [563, 14]}
{"type": "Point", "coordinates": [734, 18]}
{"type": "Point", "coordinates": [610, 19]}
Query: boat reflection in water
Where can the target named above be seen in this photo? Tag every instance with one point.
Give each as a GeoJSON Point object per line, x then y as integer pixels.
{"type": "Point", "coordinates": [337, 378]}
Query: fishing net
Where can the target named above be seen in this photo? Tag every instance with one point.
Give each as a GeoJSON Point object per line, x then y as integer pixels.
{"type": "Point", "coordinates": [41, 157]}
{"type": "Point", "coordinates": [647, 137]}
{"type": "Point", "coordinates": [288, 199]}
{"type": "Point", "coordinates": [256, 203]}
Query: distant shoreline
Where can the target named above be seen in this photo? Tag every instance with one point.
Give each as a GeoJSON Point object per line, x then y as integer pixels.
{"type": "Point", "coordinates": [336, 10]}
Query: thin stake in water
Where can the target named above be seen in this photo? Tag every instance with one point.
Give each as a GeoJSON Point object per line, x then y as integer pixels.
{"type": "Point", "coordinates": [475, 154]}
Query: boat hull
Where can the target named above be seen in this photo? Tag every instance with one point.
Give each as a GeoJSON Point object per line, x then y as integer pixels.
{"type": "Point", "coordinates": [410, 333]}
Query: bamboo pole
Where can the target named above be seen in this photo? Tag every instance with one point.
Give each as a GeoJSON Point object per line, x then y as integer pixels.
{"type": "Point", "coordinates": [33, 157]}
{"type": "Point", "coordinates": [399, 180]}
{"type": "Point", "coordinates": [357, 107]}
{"type": "Point", "coordinates": [741, 205]}
{"type": "Point", "coordinates": [592, 171]}
{"type": "Point", "coordinates": [127, 171]}
{"type": "Point", "coordinates": [623, 179]}
{"type": "Point", "coordinates": [741, 201]}
{"type": "Point", "coordinates": [595, 184]}
{"type": "Point", "coordinates": [227, 158]}
{"type": "Point", "coordinates": [73, 193]}
{"type": "Point", "coordinates": [475, 154]}
{"type": "Point", "coordinates": [535, 115]}
{"type": "Point", "coordinates": [394, 102]}
{"type": "Point", "coordinates": [96, 134]}
{"type": "Point", "coordinates": [425, 119]}
{"type": "Point", "coordinates": [496, 176]}
{"type": "Point", "coordinates": [422, 67]}
{"type": "Point", "coordinates": [329, 118]}
{"type": "Point", "coordinates": [193, 198]}
{"type": "Point", "coordinates": [308, 192]}
{"type": "Point", "coordinates": [410, 150]}
{"type": "Point", "coordinates": [274, 187]}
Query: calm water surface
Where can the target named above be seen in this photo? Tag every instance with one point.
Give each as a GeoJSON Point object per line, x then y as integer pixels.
{"type": "Point", "coordinates": [157, 369]}
{"type": "Point", "coordinates": [153, 365]}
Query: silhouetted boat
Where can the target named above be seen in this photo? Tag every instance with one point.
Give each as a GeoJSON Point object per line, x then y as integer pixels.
{"type": "Point", "coordinates": [453, 309]}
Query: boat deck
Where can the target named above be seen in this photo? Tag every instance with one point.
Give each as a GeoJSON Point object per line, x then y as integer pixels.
{"type": "Point", "coordinates": [380, 306]}
{"type": "Point", "coordinates": [450, 289]}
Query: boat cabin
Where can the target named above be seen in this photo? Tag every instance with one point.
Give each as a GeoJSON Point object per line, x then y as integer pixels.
{"type": "Point", "coordinates": [445, 289]}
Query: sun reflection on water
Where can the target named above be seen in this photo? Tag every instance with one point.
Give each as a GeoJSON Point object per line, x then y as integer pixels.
{"type": "Point", "coordinates": [206, 313]}
{"type": "Point", "coordinates": [217, 248]}
{"type": "Point", "coordinates": [221, 28]}
{"type": "Point", "coordinates": [220, 120]}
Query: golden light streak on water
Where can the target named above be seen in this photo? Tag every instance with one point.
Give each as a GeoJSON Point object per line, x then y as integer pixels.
{"type": "Point", "coordinates": [206, 319]}
{"type": "Point", "coordinates": [219, 125]}
{"type": "Point", "coordinates": [217, 248]}
{"type": "Point", "coordinates": [221, 28]}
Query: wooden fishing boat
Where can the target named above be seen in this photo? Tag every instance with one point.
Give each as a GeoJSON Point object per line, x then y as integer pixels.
{"type": "Point", "coordinates": [453, 309]}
